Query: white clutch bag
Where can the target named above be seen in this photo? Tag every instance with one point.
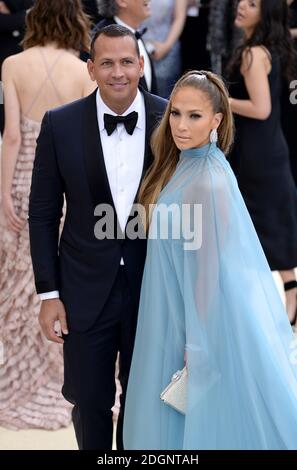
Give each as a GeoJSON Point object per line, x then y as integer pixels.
{"type": "Point", "coordinates": [175, 394]}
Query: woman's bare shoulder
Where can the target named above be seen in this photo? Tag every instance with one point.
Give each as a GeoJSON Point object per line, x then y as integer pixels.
{"type": "Point", "coordinates": [256, 56]}
{"type": "Point", "coordinates": [255, 53]}
{"type": "Point", "coordinates": [12, 61]}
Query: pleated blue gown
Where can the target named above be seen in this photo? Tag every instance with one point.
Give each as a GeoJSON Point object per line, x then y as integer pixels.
{"type": "Point", "coordinates": [217, 300]}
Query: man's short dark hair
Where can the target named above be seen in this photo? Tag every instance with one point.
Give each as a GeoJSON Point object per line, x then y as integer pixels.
{"type": "Point", "coordinates": [113, 31]}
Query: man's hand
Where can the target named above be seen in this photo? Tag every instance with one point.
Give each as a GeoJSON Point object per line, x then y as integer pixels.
{"type": "Point", "coordinates": [4, 8]}
{"type": "Point", "coordinates": [53, 311]}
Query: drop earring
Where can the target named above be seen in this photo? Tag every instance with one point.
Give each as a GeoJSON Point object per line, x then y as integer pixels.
{"type": "Point", "coordinates": [214, 136]}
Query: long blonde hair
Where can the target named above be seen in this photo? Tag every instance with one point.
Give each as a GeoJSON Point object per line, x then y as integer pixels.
{"type": "Point", "coordinates": [165, 152]}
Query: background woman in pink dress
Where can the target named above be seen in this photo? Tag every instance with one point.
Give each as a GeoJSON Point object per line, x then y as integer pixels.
{"type": "Point", "coordinates": [47, 74]}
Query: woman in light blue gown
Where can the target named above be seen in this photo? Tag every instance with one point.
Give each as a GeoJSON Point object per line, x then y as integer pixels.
{"type": "Point", "coordinates": [210, 293]}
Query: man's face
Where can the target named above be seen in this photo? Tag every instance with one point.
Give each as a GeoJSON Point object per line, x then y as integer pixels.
{"type": "Point", "coordinates": [139, 10]}
{"type": "Point", "coordinates": [116, 69]}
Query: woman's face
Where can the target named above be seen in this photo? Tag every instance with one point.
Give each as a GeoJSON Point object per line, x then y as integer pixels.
{"type": "Point", "coordinates": [192, 118]}
{"type": "Point", "coordinates": [248, 15]}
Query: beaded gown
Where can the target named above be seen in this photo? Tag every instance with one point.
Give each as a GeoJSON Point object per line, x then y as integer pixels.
{"type": "Point", "coordinates": [31, 368]}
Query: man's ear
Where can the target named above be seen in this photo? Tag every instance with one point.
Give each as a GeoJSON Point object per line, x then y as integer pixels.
{"type": "Point", "coordinates": [121, 3]}
{"type": "Point", "coordinates": [141, 63]}
{"type": "Point", "coordinates": [90, 65]}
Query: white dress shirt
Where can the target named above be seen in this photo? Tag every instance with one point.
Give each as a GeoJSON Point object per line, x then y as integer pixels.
{"type": "Point", "coordinates": [143, 52]}
{"type": "Point", "coordinates": [123, 157]}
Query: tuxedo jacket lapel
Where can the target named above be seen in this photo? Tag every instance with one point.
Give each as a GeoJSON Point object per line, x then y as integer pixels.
{"type": "Point", "coordinates": [152, 118]}
{"type": "Point", "coordinates": [149, 125]}
{"type": "Point", "coordinates": [94, 160]}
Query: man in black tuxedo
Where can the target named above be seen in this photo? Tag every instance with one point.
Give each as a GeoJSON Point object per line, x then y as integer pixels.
{"type": "Point", "coordinates": [94, 151]}
{"type": "Point", "coordinates": [130, 13]}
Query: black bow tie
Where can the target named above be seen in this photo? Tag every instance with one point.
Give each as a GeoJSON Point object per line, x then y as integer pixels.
{"type": "Point", "coordinates": [140, 33]}
{"type": "Point", "coordinates": [129, 121]}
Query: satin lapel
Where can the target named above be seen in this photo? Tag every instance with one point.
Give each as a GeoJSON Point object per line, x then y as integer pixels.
{"type": "Point", "coordinates": [151, 120]}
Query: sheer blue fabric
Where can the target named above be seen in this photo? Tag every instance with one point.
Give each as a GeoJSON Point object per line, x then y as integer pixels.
{"type": "Point", "coordinates": [220, 302]}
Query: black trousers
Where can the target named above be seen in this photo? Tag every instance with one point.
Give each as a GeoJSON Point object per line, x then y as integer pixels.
{"type": "Point", "coordinates": [89, 369]}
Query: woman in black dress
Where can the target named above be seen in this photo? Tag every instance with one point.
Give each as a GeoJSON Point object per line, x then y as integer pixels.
{"type": "Point", "coordinates": [289, 110]}
{"type": "Point", "coordinates": [195, 54]}
{"type": "Point", "coordinates": [260, 156]}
